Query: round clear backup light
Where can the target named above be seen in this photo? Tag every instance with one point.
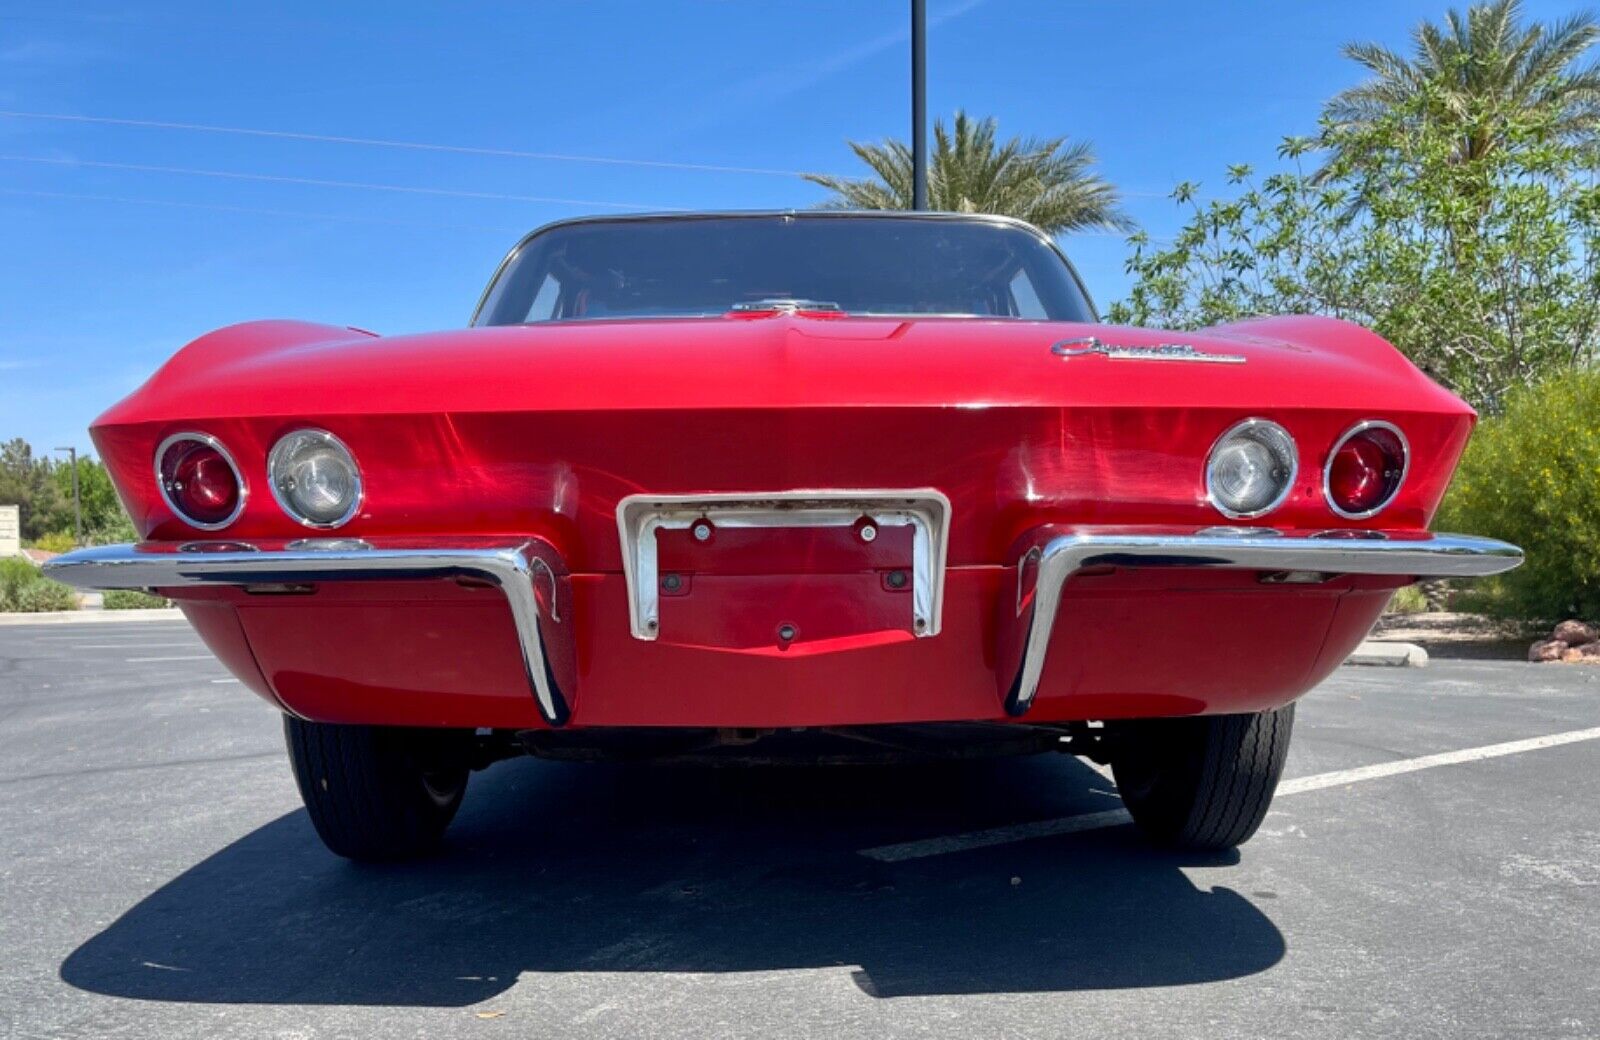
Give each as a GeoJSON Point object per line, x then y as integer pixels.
{"type": "Point", "coordinates": [199, 481]}
{"type": "Point", "coordinates": [1365, 469]}
{"type": "Point", "coordinates": [314, 478]}
{"type": "Point", "coordinates": [1251, 469]}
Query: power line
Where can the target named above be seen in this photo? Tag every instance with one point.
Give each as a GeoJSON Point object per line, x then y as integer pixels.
{"type": "Point", "coordinates": [376, 142]}
{"type": "Point", "coordinates": [424, 146]}
{"type": "Point", "coordinates": [352, 218]}
{"type": "Point", "coordinates": [319, 183]}
{"type": "Point", "coordinates": [217, 207]}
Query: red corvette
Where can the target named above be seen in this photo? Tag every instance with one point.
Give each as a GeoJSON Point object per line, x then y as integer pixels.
{"type": "Point", "coordinates": [691, 481]}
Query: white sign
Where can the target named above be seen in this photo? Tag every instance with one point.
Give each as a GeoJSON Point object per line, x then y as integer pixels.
{"type": "Point", "coordinates": [10, 530]}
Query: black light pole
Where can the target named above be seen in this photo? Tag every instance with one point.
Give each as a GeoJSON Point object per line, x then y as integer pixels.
{"type": "Point", "coordinates": [77, 503]}
{"type": "Point", "coordinates": [919, 104]}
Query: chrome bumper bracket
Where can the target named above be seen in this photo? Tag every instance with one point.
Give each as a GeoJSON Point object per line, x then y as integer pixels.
{"type": "Point", "coordinates": [513, 568]}
{"type": "Point", "coordinates": [1055, 555]}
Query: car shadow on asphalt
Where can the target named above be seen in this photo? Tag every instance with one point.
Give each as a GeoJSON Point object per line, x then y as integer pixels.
{"type": "Point", "coordinates": [595, 868]}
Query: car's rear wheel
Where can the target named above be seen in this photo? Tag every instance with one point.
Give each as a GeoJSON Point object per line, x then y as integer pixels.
{"type": "Point", "coordinates": [1201, 783]}
{"type": "Point", "coordinates": [377, 792]}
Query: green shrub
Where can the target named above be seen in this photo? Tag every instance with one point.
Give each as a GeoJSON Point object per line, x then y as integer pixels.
{"type": "Point", "coordinates": [23, 588]}
{"type": "Point", "coordinates": [17, 570]}
{"type": "Point", "coordinates": [56, 542]}
{"type": "Point", "coordinates": [1407, 600]}
{"type": "Point", "coordinates": [45, 594]}
{"type": "Point", "coordinates": [1532, 476]}
{"type": "Point", "coordinates": [133, 599]}
{"type": "Point", "coordinates": [16, 573]}
{"type": "Point", "coordinates": [112, 528]}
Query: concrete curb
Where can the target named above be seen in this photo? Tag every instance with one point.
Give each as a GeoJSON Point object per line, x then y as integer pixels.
{"type": "Point", "coordinates": [1391, 655]}
{"type": "Point", "coordinates": [90, 617]}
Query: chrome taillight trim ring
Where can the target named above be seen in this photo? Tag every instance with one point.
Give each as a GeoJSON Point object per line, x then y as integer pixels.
{"type": "Point", "coordinates": [1405, 467]}
{"type": "Point", "coordinates": [356, 500]}
{"type": "Point", "coordinates": [196, 437]}
{"type": "Point", "coordinates": [1288, 485]}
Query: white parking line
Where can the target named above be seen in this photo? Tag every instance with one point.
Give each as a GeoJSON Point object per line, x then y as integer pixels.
{"type": "Point", "coordinates": [152, 660]}
{"type": "Point", "coordinates": [1444, 758]}
{"type": "Point", "coordinates": [130, 646]}
{"type": "Point", "coordinates": [908, 850]}
{"type": "Point", "coordinates": [216, 682]}
{"type": "Point", "coordinates": [144, 632]}
{"type": "Point", "coordinates": [122, 624]}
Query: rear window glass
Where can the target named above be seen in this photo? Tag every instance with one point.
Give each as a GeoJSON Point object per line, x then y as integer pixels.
{"type": "Point", "coordinates": [679, 267]}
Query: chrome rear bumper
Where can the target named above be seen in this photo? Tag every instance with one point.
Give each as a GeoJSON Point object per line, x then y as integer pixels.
{"type": "Point", "coordinates": [1047, 560]}
{"type": "Point", "coordinates": [1044, 562]}
{"type": "Point", "coordinates": [514, 568]}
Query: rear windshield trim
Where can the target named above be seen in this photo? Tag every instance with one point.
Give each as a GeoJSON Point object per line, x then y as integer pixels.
{"type": "Point", "coordinates": [815, 214]}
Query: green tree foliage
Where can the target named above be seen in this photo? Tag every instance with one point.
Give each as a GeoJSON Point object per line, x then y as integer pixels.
{"type": "Point", "coordinates": [43, 488]}
{"type": "Point", "coordinates": [1049, 183]}
{"type": "Point", "coordinates": [99, 498]}
{"type": "Point", "coordinates": [25, 481]}
{"type": "Point", "coordinates": [1530, 477]}
{"type": "Point", "coordinates": [104, 520]}
{"type": "Point", "coordinates": [1484, 273]}
{"type": "Point", "coordinates": [1478, 75]}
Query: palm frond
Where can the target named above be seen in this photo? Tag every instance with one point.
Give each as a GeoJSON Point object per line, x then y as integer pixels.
{"type": "Point", "coordinates": [1049, 182]}
{"type": "Point", "coordinates": [1477, 71]}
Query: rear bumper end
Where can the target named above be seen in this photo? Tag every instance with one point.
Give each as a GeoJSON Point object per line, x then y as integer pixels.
{"type": "Point", "coordinates": [529, 574]}
{"type": "Point", "coordinates": [972, 669]}
{"type": "Point", "coordinates": [1049, 557]}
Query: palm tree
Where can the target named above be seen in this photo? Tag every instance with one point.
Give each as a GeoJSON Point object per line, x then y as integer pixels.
{"type": "Point", "coordinates": [1478, 69]}
{"type": "Point", "coordinates": [1048, 183]}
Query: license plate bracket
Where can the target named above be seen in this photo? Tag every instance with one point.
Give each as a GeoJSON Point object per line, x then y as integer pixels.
{"type": "Point", "coordinates": [923, 512]}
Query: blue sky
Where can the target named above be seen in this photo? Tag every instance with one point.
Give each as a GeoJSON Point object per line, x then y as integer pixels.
{"type": "Point", "coordinates": [114, 252]}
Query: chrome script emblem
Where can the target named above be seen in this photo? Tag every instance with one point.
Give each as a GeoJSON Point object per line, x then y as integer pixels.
{"type": "Point", "coordinates": [1159, 352]}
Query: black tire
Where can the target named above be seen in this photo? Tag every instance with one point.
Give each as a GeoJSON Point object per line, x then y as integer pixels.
{"type": "Point", "coordinates": [375, 792]}
{"type": "Point", "coordinates": [1202, 783]}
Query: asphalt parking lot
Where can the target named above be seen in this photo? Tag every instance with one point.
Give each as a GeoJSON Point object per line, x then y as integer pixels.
{"type": "Point", "coordinates": [160, 879]}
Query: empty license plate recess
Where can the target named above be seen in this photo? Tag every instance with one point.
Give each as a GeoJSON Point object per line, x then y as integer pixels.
{"type": "Point", "coordinates": [735, 557]}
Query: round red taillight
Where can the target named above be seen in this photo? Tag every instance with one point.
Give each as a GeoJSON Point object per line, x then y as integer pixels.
{"type": "Point", "coordinates": [1365, 470]}
{"type": "Point", "coordinates": [199, 481]}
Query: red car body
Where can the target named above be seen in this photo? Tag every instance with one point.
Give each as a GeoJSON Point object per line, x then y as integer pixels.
{"type": "Point", "coordinates": [782, 515]}
{"type": "Point", "coordinates": [539, 432]}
